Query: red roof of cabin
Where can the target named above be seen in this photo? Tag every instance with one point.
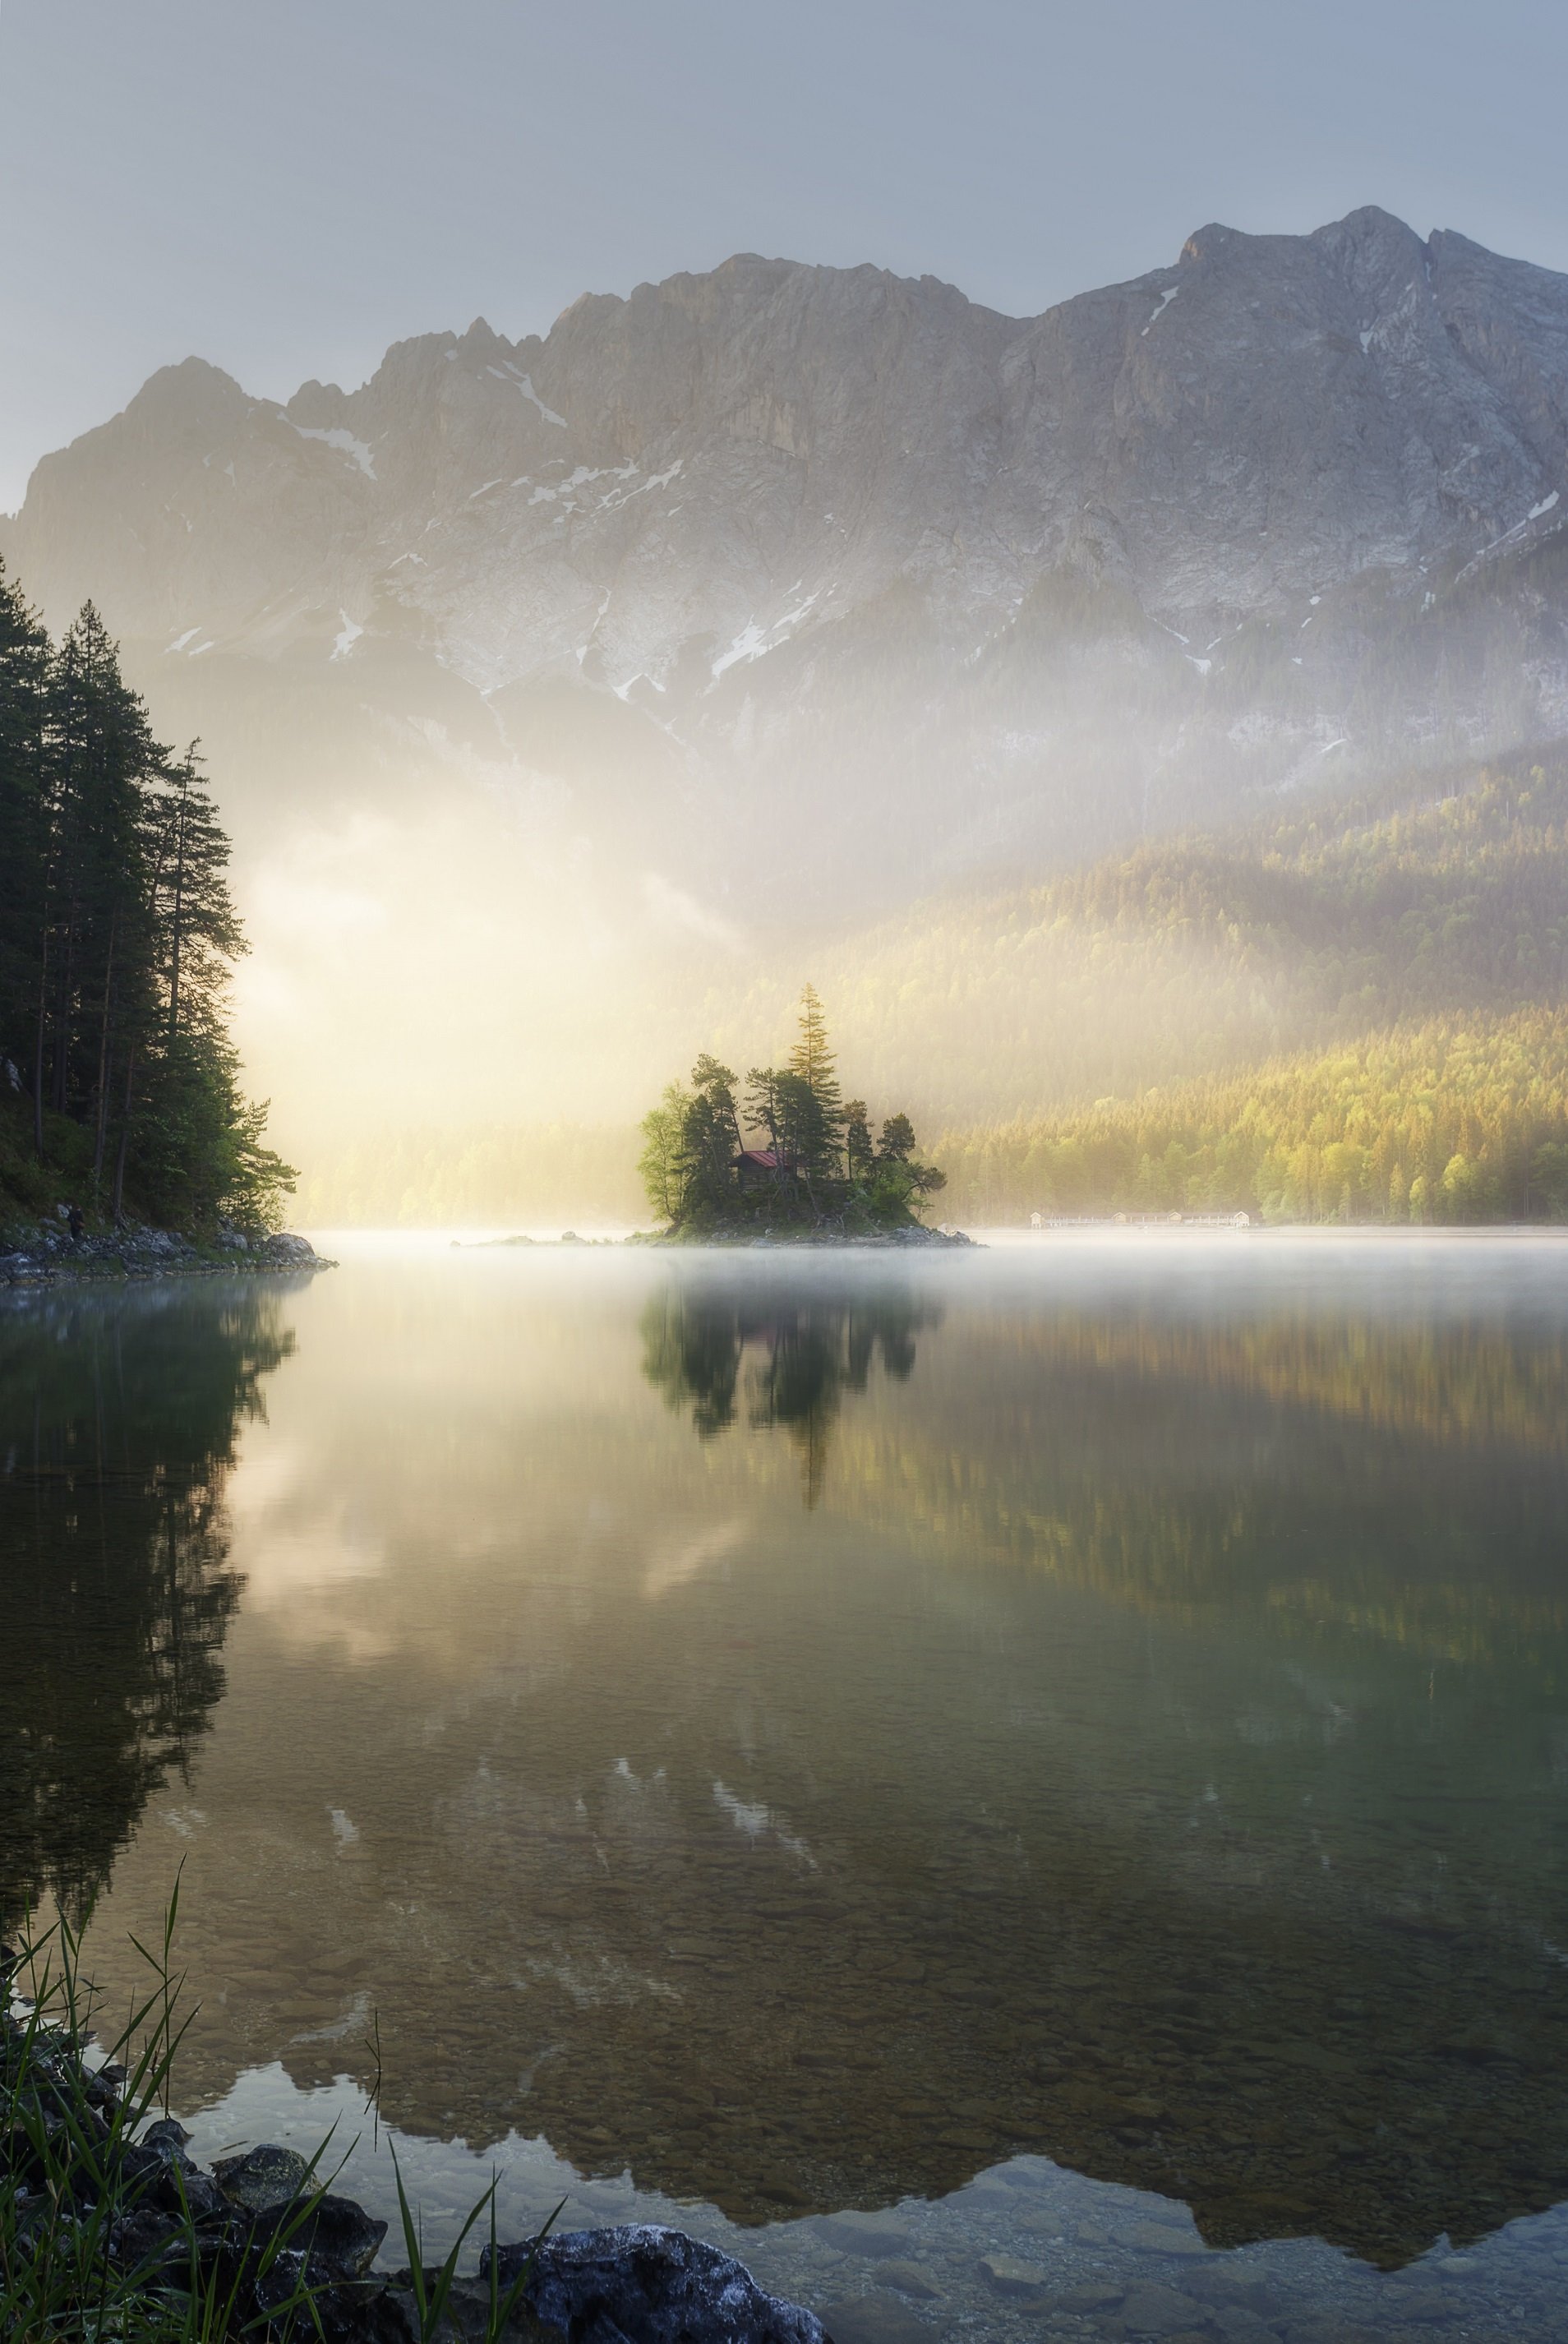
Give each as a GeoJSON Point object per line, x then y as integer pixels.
{"type": "Point", "coordinates": [764, 1159]}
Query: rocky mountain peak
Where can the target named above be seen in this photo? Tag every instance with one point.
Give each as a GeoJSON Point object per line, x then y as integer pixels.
{"type": "Point", "coordinates": [1060, 574]}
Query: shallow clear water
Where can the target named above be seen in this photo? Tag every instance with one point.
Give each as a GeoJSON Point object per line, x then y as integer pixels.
{"type": "Point", "coordinates": [1062, 1750]}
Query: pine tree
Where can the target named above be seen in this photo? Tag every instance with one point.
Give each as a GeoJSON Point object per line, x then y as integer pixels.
{"type": "Point", "coordinates": [858, 1152]}
{"type": "Point", "coordinates": [898, 1141]}
{"type": "Point", "coordinates": [812, 1057]}
{"type": "Point", "coordinates": [23, 823]}
{"type": "Point", "coordinates": [181, 1100]}
{"type": "Point", "coordinates": [117, 937]}
{"type": "Point", "coordinates": [198, 932]}
{"type": "Point", "coordinates": [94, 982]}
{"type": "Point", "coordinates": [710, 1135]}
{"type": "Point", "coordinates": [818, 1112]}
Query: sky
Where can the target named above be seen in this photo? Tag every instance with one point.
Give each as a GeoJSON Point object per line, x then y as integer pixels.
{"type": "Point", "coordinates": [285, 186]}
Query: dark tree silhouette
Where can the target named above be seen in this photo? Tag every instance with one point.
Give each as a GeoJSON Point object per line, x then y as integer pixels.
{"type": "Point", "coordinates": [118, 1423]}
{"type": "Point", "coordinates": [787, 1358]}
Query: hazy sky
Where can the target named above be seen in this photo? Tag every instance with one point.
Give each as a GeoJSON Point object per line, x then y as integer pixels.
{"type": "Point", "coordinates": [286, 186]}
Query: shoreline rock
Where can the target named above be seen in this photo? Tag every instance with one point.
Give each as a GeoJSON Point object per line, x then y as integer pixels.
{"type": "Point", "coordinates": [640, 2283]}
{"type": "Point", "coordinates": [262, 2232]}
{"type": "Point", "coordinates": [54, 1259]}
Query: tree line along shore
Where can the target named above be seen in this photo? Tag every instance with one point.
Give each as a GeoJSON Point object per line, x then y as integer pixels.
{"type": "Point", "coordinates": [120, 1098]}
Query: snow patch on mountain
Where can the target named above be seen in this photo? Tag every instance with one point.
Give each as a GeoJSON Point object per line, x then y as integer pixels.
{"type": "Point", "coordinates": [343, 442]}
{"type": "Point", "coordinates": [525, 384]}
{"type": "Point", "coordinates": [1063, 571]}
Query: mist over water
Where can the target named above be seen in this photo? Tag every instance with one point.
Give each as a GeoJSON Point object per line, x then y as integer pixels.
{"type": "Point", "coordinates": [1065, 1744]}
{"type": "Point", "coordinates": [1021, 1789]}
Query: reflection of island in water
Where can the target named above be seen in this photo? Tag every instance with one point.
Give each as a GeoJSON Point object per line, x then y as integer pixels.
{"type": "Point", "coordinates": [118, 1421]}
{"type": "Point", "coordinates": [780, 1354]}
{"type": "Point", "coordinates": [1148, 1754]}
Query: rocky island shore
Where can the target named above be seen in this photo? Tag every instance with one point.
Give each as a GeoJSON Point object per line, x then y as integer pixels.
{"type": "Point", "coordinates": [820, 1238]}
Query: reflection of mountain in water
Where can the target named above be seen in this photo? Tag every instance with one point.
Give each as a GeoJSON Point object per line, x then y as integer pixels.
{"type": "Point", "coordinates": [786, 1354]}
{"type": "Point", "coordinates": [1151, 1754]}
{"type": "Point", "coordinates": [118, 1421]}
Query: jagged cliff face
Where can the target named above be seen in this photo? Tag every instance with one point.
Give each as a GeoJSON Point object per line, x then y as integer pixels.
{"type": "Point", "coordinates": [842, 566]}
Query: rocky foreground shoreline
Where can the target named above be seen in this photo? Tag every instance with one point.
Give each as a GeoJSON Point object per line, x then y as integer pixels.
{"type": "Point", "coordinates": [46, 1256]}
{"type": "Point", "coordinates": [256, 2247]}
{"type": "Point", "coordinates": [258, 2220]}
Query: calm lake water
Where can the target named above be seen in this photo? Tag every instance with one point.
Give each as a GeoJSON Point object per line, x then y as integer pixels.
{"type": "Point", "coordinates": [1057, 1754]}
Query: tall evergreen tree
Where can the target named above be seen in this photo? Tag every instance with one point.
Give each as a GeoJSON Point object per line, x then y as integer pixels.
{"type": "Point", "coordinates": [199, 933]}
{"type": "Point", "coordinates": [710, 1134]}
{"type": "Point", "coordinates": [897, 1145]}
{"type": "Point", "coordinates": [116, 936]}
{"type": "Point", "coordinates": [817, 1111]}
{"type": "Point", "coordinates": [858, 1152]}
{"type": "Point", "coordinates": [102, 761]}
{"type": "Point", "coordinates": [23, 821]}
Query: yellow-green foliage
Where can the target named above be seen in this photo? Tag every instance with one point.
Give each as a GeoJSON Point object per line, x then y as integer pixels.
{"type": "Point", "coordinates": [1195, 956]}
{"type": "Point", "coordinates": [1451, 1120]}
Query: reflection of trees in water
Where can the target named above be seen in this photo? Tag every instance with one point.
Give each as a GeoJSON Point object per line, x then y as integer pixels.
{"type": "Point", "coordinates": [1402, 1483]}
{"type": "Point", "coordinates": [118, 1422]}
{"type": "Point", "coordinates": [1478, 1378]}
{"type": "Point", "coordinates": [786, 1357]}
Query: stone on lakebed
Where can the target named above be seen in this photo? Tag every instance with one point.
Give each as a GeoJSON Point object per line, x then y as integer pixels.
{"type": "Point", "coordinates": [1009, 2276]}
{"type": "Point", "coordinates": [864, 2234]}
{"type": "Point", "coordinates": [876, 2318]}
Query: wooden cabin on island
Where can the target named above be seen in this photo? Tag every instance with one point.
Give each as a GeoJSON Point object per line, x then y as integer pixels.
{"type": "Point", "coordinates": [759, 1168]}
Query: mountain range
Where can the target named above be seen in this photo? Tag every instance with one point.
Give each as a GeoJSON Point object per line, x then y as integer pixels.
{"type": "Point", "coordinates": [810, 589]}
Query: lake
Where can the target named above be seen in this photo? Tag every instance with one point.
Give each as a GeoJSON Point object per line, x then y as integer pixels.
{"type": "Point", "coordinates": [1025, 1792]}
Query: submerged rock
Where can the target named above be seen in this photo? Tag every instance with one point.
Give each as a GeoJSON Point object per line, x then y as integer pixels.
{"type": "Point", "coordinates": [1009, 2276]}
{"type": "Point", "coordinates": [639, 2283]}
{"type": "Point", "coordinates": [855, 2233]}
{"type": "Point", "coordinates": [876, 2318]}
{"type": "Point", "coordinates": [910, 2279]}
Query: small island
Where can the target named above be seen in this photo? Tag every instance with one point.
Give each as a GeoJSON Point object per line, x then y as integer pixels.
{"type": "Point", "coordinates": [792, 1161]}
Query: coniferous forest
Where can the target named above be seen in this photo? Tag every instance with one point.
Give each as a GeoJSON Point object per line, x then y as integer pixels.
{"type": "Point", "coordinates": [119, 1088]}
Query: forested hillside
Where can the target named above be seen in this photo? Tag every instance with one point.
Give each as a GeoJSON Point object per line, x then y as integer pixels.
{"type": "Point", "coordinates": [1198, 954]}
{"type": "Point", "coordinates": [119, 1083]}
{"type": "Point", "coordinates": [1373, 1027]}
{"type": "Point", "coordinates": [1452, 1120]}
{"type": "Point", "coordinates": [1353, 1008]}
